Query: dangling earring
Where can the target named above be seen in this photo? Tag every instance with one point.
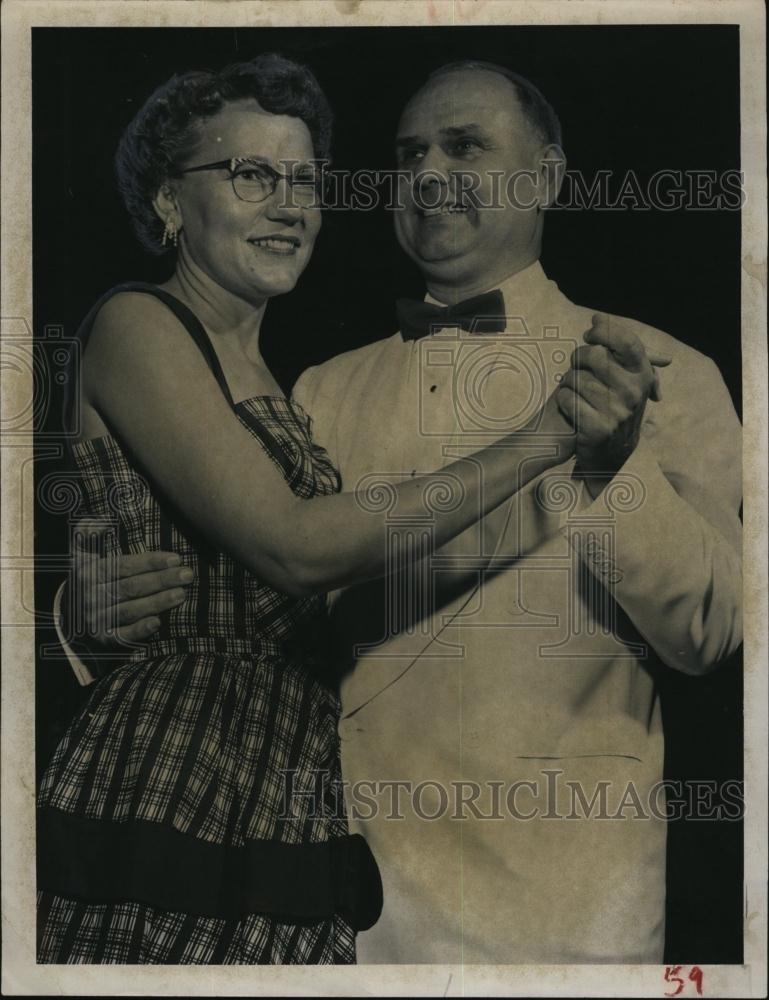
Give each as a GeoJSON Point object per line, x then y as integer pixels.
{"type": "Point", "coordinates": [170, 233]}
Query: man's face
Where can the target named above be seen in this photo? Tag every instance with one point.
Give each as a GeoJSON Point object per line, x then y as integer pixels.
{"type": "Point", "coordinates": [467, 121]}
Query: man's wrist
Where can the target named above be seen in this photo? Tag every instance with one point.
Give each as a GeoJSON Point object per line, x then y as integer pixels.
{"type": "Point", "coordinates": [598, 473]}
{"type": "Point", "coordinates": [595, 482]}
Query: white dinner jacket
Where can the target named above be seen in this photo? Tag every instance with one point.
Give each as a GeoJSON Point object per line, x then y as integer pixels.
{"type": "Point", "coordinates": [524, 654]}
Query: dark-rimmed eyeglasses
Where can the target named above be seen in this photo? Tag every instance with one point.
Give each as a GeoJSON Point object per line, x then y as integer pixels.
{"type": "Point", "coordinates": [254, 180]}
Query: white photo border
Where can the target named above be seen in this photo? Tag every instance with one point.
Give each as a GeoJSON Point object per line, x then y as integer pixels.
{"type": "Point", "coordinates": [21, 975]}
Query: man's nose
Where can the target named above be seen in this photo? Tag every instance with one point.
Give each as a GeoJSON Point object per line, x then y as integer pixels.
{"type": "Point", "coordinates": [431, 177]}
{"type": "Point", "coordinates": [434, 160]}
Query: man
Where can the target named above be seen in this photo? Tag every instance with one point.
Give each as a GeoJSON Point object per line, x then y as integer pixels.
{"type": "Point", "coordinates": [501, 733]}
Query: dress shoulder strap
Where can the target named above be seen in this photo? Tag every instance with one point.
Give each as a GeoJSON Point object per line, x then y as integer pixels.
{"type": "Point", "coordinates": [183, 313]}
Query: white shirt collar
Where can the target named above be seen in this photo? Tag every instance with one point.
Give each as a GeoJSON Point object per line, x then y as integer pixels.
{"type": "Point", "coordinates": [519, 290]}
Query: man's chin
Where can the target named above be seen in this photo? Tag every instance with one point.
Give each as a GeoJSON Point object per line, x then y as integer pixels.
{"type": "Point", "coordinates": [436, 252]}
{"type": "Point", "coordinates": [448, 266]}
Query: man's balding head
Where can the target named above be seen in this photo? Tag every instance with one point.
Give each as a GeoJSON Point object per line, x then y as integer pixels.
{"type": "Point", "coordinates": [536, 108]}
{"type": "Point", "coordinates": [481, 152]}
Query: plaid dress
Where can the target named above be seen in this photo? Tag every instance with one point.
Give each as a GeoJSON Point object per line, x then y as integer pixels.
{"type": "Point", "coordinates": [192, 812]}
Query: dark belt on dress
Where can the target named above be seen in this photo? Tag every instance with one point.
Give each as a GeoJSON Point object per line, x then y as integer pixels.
{"type": "Point", "coordinates": [98, 861]}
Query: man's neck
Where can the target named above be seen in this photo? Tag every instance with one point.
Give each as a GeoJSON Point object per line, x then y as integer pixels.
{"type": "Point", "coordinates": [449, 292]}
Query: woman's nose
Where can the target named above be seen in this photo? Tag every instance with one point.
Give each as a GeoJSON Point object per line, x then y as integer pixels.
{"type": "Point", "coordinates": [282, 203]}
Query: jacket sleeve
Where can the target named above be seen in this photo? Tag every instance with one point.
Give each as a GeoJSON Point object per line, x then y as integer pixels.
{"type": "Point", "coordinates": [304, 389]}
{"type": "Point", "coordinates": [672, 557]}
{"type": "Point", "coordinates": [80, 670]}
{"type": "Point", "coordinates": [316, 391]}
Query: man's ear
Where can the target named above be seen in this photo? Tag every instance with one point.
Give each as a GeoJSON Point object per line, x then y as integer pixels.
{"type": "Point", "coordinates": [552, 167]}
{"type": "Point", "coordinates": [167, 207]}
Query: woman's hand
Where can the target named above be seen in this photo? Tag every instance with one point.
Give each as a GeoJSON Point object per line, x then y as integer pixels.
{"type": "Point", "coordinates": [604, 396]}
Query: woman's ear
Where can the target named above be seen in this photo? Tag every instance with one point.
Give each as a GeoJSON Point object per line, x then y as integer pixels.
{"type": "Point", "coordinates": [167, 207]}
{"type": "Point", "coordinates": [552, 167]}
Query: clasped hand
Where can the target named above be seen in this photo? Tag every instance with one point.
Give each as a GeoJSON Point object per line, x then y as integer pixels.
{"type": "Point", "coordinates": [604, 394]}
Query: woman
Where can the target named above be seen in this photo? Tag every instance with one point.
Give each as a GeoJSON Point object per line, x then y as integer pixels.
{"type": "Point", "coordinates": [166, 833]}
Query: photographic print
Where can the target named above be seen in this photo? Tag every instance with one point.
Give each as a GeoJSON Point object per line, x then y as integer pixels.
{"type": "Point", "coordinates": [384, 498]}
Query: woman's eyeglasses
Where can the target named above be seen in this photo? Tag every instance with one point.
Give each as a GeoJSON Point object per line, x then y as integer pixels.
{"type": "Point", "coordinates": [253, 180]}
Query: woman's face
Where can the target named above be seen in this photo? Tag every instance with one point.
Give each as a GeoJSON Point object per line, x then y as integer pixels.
{"type": "Point", "coordinates": [252, 249]}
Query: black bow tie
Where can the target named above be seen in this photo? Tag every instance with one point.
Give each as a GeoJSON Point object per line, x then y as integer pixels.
{"type": "Point", "coordinates": [480, 314]}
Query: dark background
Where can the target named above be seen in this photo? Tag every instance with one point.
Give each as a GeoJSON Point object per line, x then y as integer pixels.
{"type": "Point", "coordinates": [629, 98]}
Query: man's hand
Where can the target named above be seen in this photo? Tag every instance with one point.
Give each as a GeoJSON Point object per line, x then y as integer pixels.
{"type": "Point", "coordinates": [603, 396]}
{"type": "Point", "coordinates": [116, 599]}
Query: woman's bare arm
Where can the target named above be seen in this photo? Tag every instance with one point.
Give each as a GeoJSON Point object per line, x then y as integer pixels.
{"type": "Point", "coordinates": [150, 384]}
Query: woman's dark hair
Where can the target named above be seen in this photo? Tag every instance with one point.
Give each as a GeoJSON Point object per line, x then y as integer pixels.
{"type": "Point", "coordinates": [167, 127]}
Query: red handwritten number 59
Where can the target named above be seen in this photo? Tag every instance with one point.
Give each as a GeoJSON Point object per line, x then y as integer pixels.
{"type": "Point", "coordinates": [672, 976]}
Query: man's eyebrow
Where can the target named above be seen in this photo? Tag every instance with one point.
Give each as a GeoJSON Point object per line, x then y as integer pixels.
{"type": "Point", "coordinates": [470, 127]}
{"type": "Point", "coordinates": [450, 132]}
{"type": "Point", "coordinates": [408, 140]}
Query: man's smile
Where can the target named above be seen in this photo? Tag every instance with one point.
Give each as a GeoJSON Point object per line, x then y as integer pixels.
{"type": "Point", "coordinates": [441, 210]}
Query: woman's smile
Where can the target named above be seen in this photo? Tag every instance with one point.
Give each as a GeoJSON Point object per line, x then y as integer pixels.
{"type": "Point", "coordinates": [281, 245]}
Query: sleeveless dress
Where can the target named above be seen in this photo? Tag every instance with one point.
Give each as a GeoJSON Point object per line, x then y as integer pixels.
{"type": "Point", "coordinates": [193, 812]}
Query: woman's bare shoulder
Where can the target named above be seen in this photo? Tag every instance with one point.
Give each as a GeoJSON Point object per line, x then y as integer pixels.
{"type": "Point", "coordinates": [135, 321]}
{"type": "Point", "coordinates": [135, 338]}
{"type": "Point", "coordinates": [125, 308]}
